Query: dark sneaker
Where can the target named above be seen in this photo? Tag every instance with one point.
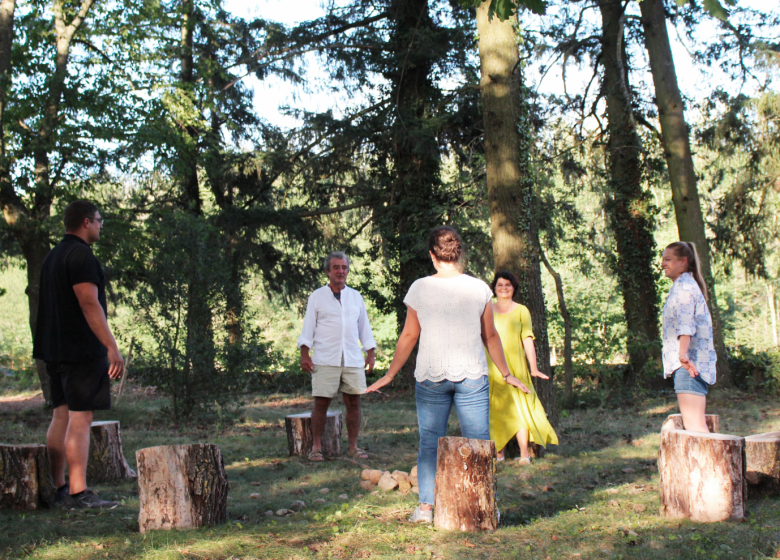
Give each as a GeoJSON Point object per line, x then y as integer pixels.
{"type": "Point", "coordinates": [87, 499]}
{"type": "Point", "coordinates": [61, 494]}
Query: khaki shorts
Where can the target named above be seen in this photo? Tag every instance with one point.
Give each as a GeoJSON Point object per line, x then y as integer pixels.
{"type": "Point", "coordinates": [328, 381]}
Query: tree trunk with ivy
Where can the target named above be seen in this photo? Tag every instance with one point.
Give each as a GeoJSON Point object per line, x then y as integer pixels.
{"type": "Point", "coordinates": [629, 207]}
{"type": "Point", "coordinates": [510, 182]}
{"type": "Point", "coordinates": [677, 151]}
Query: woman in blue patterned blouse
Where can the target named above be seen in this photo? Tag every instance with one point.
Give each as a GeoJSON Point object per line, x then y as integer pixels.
{"type": "Point", "coordinates": [688, 349]}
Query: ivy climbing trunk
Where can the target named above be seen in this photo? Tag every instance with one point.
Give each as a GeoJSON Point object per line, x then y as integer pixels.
{"type": "Point", "coordinates": [510, 182]}
{"type": "Point", "coordinates": [412, 209]}
{"type": "Point", "coordinates": [628, 206]}
{"type": "Point", "coordinates": [677, 151]}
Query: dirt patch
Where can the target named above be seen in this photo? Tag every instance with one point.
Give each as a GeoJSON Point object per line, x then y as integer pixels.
{"type": "Point", "coordinates": [10, 405]}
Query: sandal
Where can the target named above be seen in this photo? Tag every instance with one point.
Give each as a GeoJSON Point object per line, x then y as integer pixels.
{"type": "Point", "coordinates": [358, 454]}
{"type": "Point", "coordinates": [523, 460]}
{"type": "Point", "coordinates": [316, 456]}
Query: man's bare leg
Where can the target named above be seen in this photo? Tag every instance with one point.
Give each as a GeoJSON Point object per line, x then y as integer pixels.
{"type": "Point", "coordinates": [693, 408]}
{"type": "Point", "coordinates": [77, 449]}
{"type": "Point", "coordinates": [352, 402]}
{"type": "Point", "coordinates": [55, 444]}
{"type": "Point", "coordinates": [318, 417]}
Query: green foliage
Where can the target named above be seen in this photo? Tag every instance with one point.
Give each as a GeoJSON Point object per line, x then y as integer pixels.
{"type": "Point", "coordinates": [505, 9]}
{"type": "Point", "coordinates": [756, 371]}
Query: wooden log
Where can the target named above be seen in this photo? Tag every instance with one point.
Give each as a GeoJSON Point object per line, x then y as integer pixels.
{"type": "Point", "coordinates": [675, 422]}
{"type": "Point", "coordinates": [512, 450]}
{"type": "Point", "coordinates": [465, 496]}
{"type": "Point", "coordinates": [25, 477]}
{"type": "Point", "coordinates": [299, 434]}
{"type": "Point", "coordinates": [106, 459]}
{"type": "Point", "coordinates": [181, 486]}
{"type": "Point", "coordinates": [702, 476]}
{"type": "Point", "coordinates": [762, 453]}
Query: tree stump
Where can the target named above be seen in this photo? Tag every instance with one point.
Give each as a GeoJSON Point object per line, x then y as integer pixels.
{"type": "Point", "coordinates": [702, 476]}
{"type": "Point", "coordinates": [25, 477]}
{"type": "Point", "coordinates": [299, 434]}
{"type": "Point", "coordinates": [106, 459]}
{"type": "Point", "coordinates": [512, 449]}
{"type": "Point", "coordinates": [466, 485]}
{"type": "Point", "coordinates": [675, 422]}
{"type": "Point", "coordinates": [762, 452]}
{"type": "Point", "coordinates": [181, 486]}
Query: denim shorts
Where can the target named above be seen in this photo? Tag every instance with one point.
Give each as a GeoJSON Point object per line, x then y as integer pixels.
{"type": "Point", "coordinates": [684, 383]}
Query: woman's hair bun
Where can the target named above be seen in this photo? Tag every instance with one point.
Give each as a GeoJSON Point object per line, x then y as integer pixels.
{"type": "Point", "coordinates": [445, 243]}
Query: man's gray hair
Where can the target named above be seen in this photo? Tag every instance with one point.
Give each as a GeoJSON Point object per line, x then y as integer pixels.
{"type": "Point", "coordinates": [336, 255]}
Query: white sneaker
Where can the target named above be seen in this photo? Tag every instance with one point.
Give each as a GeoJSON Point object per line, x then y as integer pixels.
{"type": "Point", "coordinates": [421, 516]}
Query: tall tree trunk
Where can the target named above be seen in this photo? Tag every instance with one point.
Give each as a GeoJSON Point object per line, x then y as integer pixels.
{"type": "Point", "coordinates": [510, 183]}
{"type": "Point", "coordinates": [411, 212]}
{"type": "Point", "coordinates": [677, 151]}
{"type": "Point", "coordinates": [568, 365]}
{"type": "Point", "coordinates": [628, 205]}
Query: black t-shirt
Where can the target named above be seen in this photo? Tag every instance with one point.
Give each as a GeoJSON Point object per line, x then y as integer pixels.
{"type": "Point", "coordinates": [62, 333]}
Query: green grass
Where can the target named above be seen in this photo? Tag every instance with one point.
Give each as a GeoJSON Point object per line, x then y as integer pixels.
{"type": "Point", "coordinates": [595, 510]}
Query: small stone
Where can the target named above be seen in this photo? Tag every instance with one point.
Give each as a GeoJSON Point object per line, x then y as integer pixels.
{"type": "Point", "coordinates": [628, 470]}
{"type": "Point", "coordinates": [319, 501]}
{"type": "Point", "coordinates": [387, 483]}
{"type": "Point", "coordinates": [358, 496]}
{"type": "Point", "coordinates": [614, 503]}
{"type": "Point", "coordinates": [401, 474]}
{"type": "Point", "coordinates": [324, 490]}
{"type": "Point", "coordinates": [366, 474]}
{"type": "Point", "coordinates": [639, 508]}
{"type": "Point", "coordinates": [416, 489]}
{"type": "Point", "coordinates": [298, 505]}
{"type": "Point", "coordinates": [413, 472]}
{"type": "Point", "coordinates": [365, 467]}
{"type": "Point", "coordinates": [548, 488]}
{"type": "Point", "coordinates": [528, 495]}
{"type": "Point", "coordinates": [268, 513]}
{"type": "Point", "coordinates": [343, 497]}
{"type": "Point", "coordinates": [413, 480]}
{"type": "Point", "coordinates": [255, 483]}
{"type": "Point", "coordinates": [404, 486]}
{"type": "Point", "coordinates": [375, 475]}
{"type": "Point", "coordinates": [282, 512]}
{"type": "Point", "coordinates": [367, 485]}
{"type": "Point", "coordinates": [299, 492]}
{"type": "Point", "coordinates": [612, 490]}
{"type": "Point", "coordinates": [375, 492]}
{"type": "Point", "coordinates": [254, 496]}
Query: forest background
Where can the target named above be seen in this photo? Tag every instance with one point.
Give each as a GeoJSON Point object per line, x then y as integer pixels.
{"type": "Point", "coordinates": [218, 215]}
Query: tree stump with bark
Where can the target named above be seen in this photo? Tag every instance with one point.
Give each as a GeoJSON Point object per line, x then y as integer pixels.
{"type": "Point", "coordinates": [181, 486]}
{"type": "Point", "coordinates": [675, 422]}
{"type": "Point", "coordinates": [299, 434]}
{"type": "Point", "coordinates": [466, 485]}
{"type": "Point", "coordinates": [762, 452]}
{"type": "Point", "coordinates": [702, 476]}
{"type": "Point", "coordinates": [25, 477]}
{"type": "Point", "coordinates": [106, 459]}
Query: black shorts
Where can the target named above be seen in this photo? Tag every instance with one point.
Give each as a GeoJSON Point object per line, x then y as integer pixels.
{"type": "Point", "coordinates": [82, 386]}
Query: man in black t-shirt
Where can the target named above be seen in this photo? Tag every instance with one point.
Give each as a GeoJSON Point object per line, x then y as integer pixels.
{"type": "Point", "coordinates": [73, 338]}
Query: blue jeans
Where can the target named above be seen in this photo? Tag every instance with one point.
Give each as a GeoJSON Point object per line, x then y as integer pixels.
{"type": "Point", "coordinates": [434, 402]}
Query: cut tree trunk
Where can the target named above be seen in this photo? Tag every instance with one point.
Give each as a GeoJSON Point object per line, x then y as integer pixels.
{"type": "Point", "coordinates": [299, 434]}
{"type": "Point", "coordinates": [106, 459]}
{"type": "Point", "coordinates": [25, 477]}
{"type": "Point", "coordinates": [702, 476]}
{"type": "Point", "coordinates": [762, 452]}
{"type": "Point", "coordinates": [675, 422]}
{"type": "Point", "coordinates": [466, 485]}
{"type": "Point", "coordinates": [181, 487]}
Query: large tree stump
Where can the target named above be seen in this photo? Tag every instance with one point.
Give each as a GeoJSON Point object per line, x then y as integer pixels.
{"type": "Point", "coordinates": [466, 485]}
{"type": "Point", "coordinates": [299, 434]}
{"type": "Point", "coordinates": [181, 486]}
{"type": "Point", "coordinates": [675, 422]}
{"type": "Point", "coordinates": [762, 452]}
{"type": "Point", "coordinates": [702, 476]}
{"type": "Point", "coordinates": [25, 477]}
{"type": "Point", "coordinates": [106, 459]}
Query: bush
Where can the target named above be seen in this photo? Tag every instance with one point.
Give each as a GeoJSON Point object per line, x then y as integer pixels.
{"type": "Point", "coordinates": [753, 370]}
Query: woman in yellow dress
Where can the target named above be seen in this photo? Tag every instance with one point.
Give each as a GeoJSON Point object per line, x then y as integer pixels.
{"type": "Point", "coordinates": [512, 412]}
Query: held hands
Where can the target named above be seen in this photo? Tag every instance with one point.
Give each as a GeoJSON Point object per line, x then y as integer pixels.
{"type": "Point", "coordinates": [381, 382]}
{"type": "Point", "coordinates": [515, 382]}
{"type": "Point", "coordinates": [689, 365]}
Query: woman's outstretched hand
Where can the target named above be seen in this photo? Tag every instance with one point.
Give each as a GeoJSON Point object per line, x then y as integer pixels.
{"type": "Point", "coordinates": [515, 382]}
{"type": "Point", "coordinates": [539, 374]}
{"type": "Point", "coordinates": [689, 365]}
{"type": "Point", "coordinates": [379, 383]}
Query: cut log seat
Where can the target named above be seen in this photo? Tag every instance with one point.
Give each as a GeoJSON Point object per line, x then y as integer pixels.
{"type": "Point", "coordinates": [675, 422]}
{"type": "Point", "coordinates": [106, 459]}
{"type": "Point", "coordinates": [702, 476]}
{"type": "Point", "coordinates": [465, 497]}
{"type": "Point", "coordinates": [25, 477]}
{"type": "Point", "coordinates": [299, 434]}
{"type": "Point", "coordinates": [762, 452]}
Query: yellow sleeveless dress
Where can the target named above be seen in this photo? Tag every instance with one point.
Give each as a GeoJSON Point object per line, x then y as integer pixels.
{"type": "Point", "coordinates": [511, 409]}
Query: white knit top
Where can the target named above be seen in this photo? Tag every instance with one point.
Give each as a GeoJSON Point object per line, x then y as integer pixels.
{"type": "Point", "coordinates": [449, 311]}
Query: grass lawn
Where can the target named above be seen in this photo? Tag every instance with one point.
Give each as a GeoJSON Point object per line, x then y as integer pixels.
{"type": "Point", "coordinates": [604, 502]}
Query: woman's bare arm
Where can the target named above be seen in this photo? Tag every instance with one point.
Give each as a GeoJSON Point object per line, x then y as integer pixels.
{"type": "Point", "coordinates": [403, 349]}
{"type": "Point", "coordinates": [495, 349]}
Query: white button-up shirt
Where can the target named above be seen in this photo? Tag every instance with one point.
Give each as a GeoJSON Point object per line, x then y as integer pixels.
{"type": "Point", "coordinates": [332, 329]}
{"type": "Point", "coordinates": [686, 312]}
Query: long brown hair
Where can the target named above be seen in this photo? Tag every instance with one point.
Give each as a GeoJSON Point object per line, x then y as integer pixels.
{"type": "Point", "coordinates": [687, 250]}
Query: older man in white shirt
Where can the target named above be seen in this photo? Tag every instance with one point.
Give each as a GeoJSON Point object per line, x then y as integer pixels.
{"type": "Point", "coordinates": [335, 321]}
